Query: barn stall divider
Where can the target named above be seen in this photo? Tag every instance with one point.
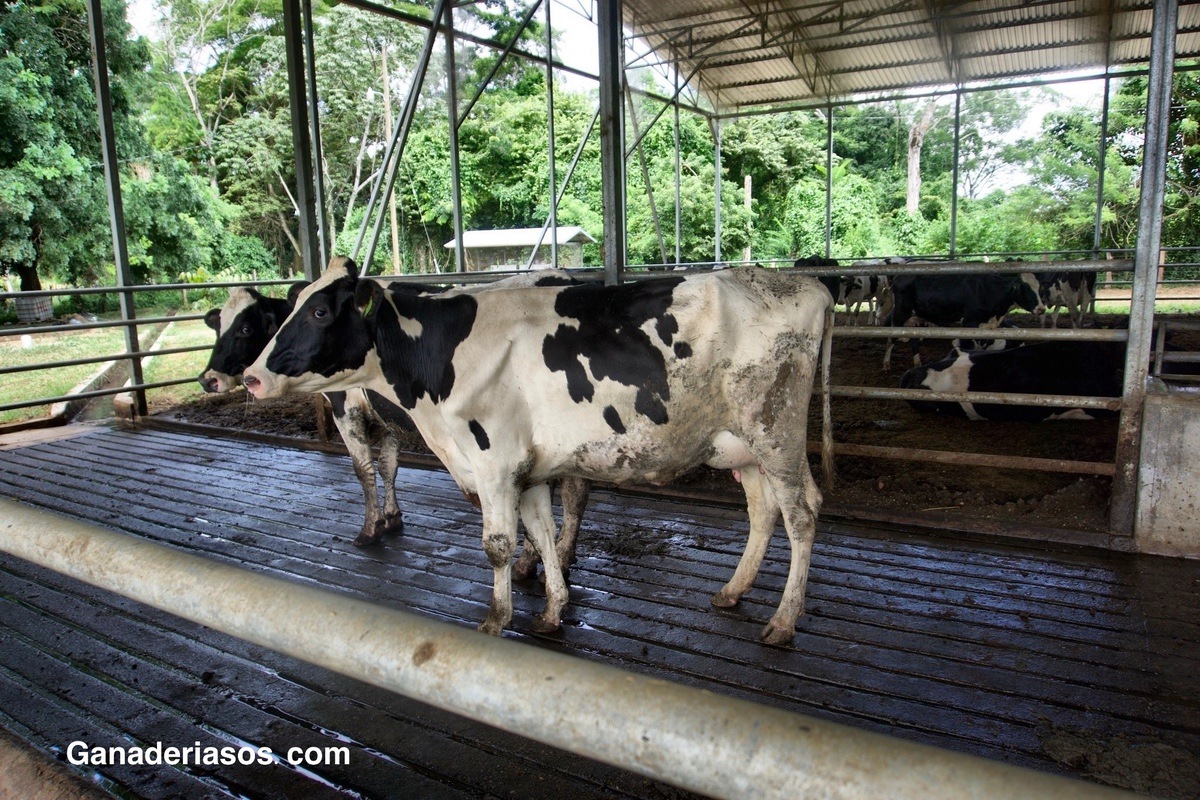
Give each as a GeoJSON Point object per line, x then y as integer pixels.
{"type": "Point", "coordinates": [720, 746]}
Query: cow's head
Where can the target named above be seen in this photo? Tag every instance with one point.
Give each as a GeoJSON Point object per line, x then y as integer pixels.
{"type": "Point", "coordinates": [325, 344]}
{"type": "Point", "coordinates": [1027, 294]}
{"type": "Point", "coordinates": [244, 325]}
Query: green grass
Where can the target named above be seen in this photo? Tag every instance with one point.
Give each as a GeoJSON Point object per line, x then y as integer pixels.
{"type": "Point", "coordinates": [57, 381]}
{"type": "Point", "coordinates": [179, 365]}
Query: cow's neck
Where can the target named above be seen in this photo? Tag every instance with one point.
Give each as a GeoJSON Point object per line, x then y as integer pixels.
{"type": "Point", "coordinates": [416, 340]}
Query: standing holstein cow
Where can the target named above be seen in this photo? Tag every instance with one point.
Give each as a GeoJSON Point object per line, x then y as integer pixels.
{"type": "Point", "coordinates": [979, 300]}
{"type": "Point", "coordinates": [639, 382]}
{"type": "Point", "coordinates": [248, 321]}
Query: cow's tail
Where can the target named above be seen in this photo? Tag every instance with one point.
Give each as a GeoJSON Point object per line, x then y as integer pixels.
{"type": "Point", "coordinates": [827, 470]}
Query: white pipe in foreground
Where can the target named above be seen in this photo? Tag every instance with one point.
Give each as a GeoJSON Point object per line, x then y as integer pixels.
{"type": "Point", "coordinates": [692, 738]}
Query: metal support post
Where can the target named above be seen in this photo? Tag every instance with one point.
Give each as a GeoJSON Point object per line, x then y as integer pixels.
{"type": "Point", "coordinates": [612, 136]}
{"type": "Point", "coordinates": [301, 144]}
{"type": "Point", "coordinates": [1100, 166]}
{"type": "Point", "coordinates": [678, 177]}
{"type": "Point", "coordinates": [716, 129]}
{"type": "Point", "coordinates": [116, 207]}
{"type": "Point", "coordinates": [460, 262]}
{"type": "Point", "coordinates": [550, 163]}
{"type": "Point", "coordinates": [324, 238]}
{"type": "Point", "coordinates": [641, 151]}
{"type": "Point", "coordinates": [954, 178]}
{"type": "Point", "coordinates": [828, 182]}
{"type": "Point", "coordinates": [1145, 274]}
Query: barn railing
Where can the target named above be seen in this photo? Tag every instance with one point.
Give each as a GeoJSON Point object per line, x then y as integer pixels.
{"type": "Point", "coordinates": [703, 742]}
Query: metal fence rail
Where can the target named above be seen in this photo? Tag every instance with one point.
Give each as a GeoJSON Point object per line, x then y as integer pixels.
{"type": "Point", "coordinates": [716, 745]}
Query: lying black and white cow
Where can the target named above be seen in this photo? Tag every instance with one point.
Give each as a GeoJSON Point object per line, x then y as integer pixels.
{"type": "Point", "coordinates": [247, 323]}
{"type": "Point", "coordinates": [638, 382]}
{"type": "Point", "coordinates": [1092, 369]}
{"type": "Point", "coordinates": [979, 300]}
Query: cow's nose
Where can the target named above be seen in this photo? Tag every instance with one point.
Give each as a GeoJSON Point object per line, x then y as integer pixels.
{"type": "Point", "coordinates": [250, 381]}
{"type": "Point", "coordinates": [208, 384]}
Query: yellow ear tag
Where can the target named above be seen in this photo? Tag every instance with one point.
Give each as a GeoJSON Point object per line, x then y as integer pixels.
{"type": "Point", "coordinates": [370, 304]}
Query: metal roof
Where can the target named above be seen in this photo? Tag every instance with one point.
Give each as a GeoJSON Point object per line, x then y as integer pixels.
{"type": "Point", "coordinates": [777, 52]}
{"type": "Point", "coordinates": [523, 237]}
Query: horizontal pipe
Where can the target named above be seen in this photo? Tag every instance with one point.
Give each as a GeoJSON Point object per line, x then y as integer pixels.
{"type": "Point", "coordinates": [967, 267]}
{"type": "Point", "coordinates": [148, 287]}
{"type": "Point", "coordinates": [975, 459]}
{"type": "Point", "coordinates": [1018, 334]}
{"type": "Point", "coordinates": [695, 739]}
{"type": "Point", "coordinates": [91, 326]}
{"type": "Point", "coordinates": [78, 362]}
{"type": "Point", "coordinates": [46, 401]}
{"type": "Point", "coordinates": [994, 398]}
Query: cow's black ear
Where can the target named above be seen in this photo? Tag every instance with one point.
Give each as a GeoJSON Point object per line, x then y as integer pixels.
{"type": "Point", "coordinates": [368, 295]}
{"type": "Point", "coordinates": [351, 268]}
{"type": "Point", "coordinates": [213, 319]}
{"type": "Point", "coordinates": [295, 290]}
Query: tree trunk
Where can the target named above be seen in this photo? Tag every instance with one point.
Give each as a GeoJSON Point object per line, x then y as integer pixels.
{"type": "Point", "coordinates": [916, 138]}
{"type": "Point", "coordinates": [29, 277]}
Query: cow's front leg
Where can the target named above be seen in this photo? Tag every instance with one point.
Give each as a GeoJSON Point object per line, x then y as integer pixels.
{"type": "Point", "coordinates": [499, 543]}
{"type": "Point", "coordinates": [389, 464]}
{"type": "Point", "coordinates": [354, 436]}
{"type": "Point", "coordinates": [539, 531]}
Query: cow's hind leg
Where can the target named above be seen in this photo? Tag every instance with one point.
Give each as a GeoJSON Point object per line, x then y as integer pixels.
{"type": "Point", "coordinates": [574, 492]}
{"type": "Point", "coordinates": [539, 532]}
{"type": "Point", "coordinates": [499, 544]}
{"type": "Point", "coordinates": [392, 522]}
{"type": "Point", "coordinates": [799, 500]}
{"type": "Point", "coordinates": [764, 514]}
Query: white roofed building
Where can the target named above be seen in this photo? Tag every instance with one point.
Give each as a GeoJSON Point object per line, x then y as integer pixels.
{"type": "Point", "coordinates": [510, 249]}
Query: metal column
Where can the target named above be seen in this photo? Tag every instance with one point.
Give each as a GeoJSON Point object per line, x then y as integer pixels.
{"type": "Point", "coordinates": [828, 182]}
{"type": "Point", "coordinates": [954, 179]}
{"type": "Point", "coordinates": [716, 127]}
{"type": "Point", "coordinates": [1145, 275]}
{"type": "Point", "coordinates": [678, 176]}
{"type": "Point", "coordinates": [612, 136]}
{"type": "Point", "coordinates": [1101, 163]}
{"type": "Point", "coordinates": [460, 264]}
{"type": "Point", "coordinates": [324, 239]}
{"type": "Point", "coordinates": [112, 182]}
{"type": "Point", "coordinates": [550, 164]}
{"type": "Point", "coordinates": [301, 144]}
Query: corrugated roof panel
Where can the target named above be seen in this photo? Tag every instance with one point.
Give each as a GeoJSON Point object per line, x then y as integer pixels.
{"type": "Point", "coordinates": [821, 51]}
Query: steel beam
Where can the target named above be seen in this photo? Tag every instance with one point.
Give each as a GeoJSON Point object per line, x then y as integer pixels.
{"type": "Point", "coordinates": [712, 744]}
{"type": "Point", "coordinates": [116, 207]}
{"type": "Point", "coordinates": [460, 261]}
{"type": "Point", "coordinates": [1149, 241]}
{"type": "Point", "coordinates": [301, 143]}
{"type": "Point", "coordinates": [612, 137]}
{"type": "Point", "coordinates": [324, 238]}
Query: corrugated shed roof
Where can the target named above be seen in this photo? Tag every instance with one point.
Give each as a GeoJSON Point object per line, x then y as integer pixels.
{"type": "Point", "coordinates": [805, 51]}
{"type": "Point", "coordinates": [523, 237]}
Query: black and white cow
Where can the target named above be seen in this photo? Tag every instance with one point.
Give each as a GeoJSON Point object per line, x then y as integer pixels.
{"type": "Point", "coordinates": [979, 300]}
{"type": "Point", "coordinates": [1093, 369]}
{"type": "Point", "coordinates": [638, 382]}
{"type": "Point", "coordinates": [1074, 291]}
{"type": "Point", "coordinates": [874, 290]}
{"type": "Point", "coordinates": [247, 323]}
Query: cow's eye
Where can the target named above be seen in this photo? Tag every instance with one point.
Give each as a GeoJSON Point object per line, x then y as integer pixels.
{"type": "Point", "coordinates": [246, 330]}
{"type": "Point", "coordinates": [320, 312]}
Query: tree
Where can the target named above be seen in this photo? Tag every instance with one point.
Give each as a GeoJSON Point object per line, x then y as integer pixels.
{"type": "Point", "coordinates": [52, 210]}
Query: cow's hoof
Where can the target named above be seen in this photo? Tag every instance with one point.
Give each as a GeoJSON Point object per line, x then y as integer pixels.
{"type": "Point", "coordinates": [542, 626]}
{"type": "Point", "coordinates": [722, 600]}
{"type": "Point", "coordinates": [391, 525]}
{"type": "Point", "coordinates": [368, 539]}
{"type": "Point", "coordinates": [490, 628]}
{"type": "Point", "coordinates": [775, 635]}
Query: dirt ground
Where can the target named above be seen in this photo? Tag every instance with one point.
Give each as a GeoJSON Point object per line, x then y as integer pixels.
{"type": "Point", "coordinates": [949, 493]}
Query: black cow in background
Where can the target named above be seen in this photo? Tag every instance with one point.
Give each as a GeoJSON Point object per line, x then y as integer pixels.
{"type": "Point", "coordinates": [975, 300]}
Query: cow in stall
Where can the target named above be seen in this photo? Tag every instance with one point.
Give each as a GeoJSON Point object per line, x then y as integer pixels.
{"type": "Point", "coordinates": [1093, 369]}
{"type": "Point", "coordinates": [1074, 291]}
{"type": "Point", "coordinates": [874, 290]}
{"type": "Point", "coordinates": [248, 321]}
{"type": "Point", "coordinates": [975, 300]}
{"type": "Point", "coordinates": [635, 382]}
